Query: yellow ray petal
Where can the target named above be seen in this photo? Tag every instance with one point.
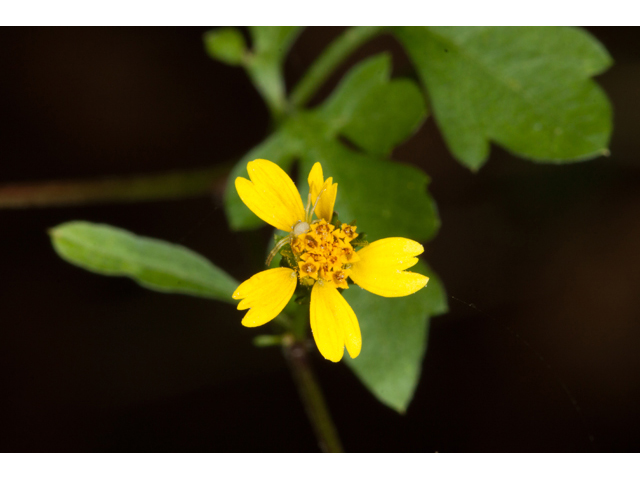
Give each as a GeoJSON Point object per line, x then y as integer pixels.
{"type": "Point", "coordinates": [352, 336]}
{"type": "Point", "coordinates": [381, 265]}
{"type": "Point", "coordinates": [327, 202]}
{"type": "Point", "coordinates": [271, 194]}
{"type": "Point", "coordinates": [327, 190]}
{"type": "Point", "coordinates": [333, 323]}
{"type": "Point", "coordinates": [315, 179]}
{"type": "Point", "coordinates": [266, 294]}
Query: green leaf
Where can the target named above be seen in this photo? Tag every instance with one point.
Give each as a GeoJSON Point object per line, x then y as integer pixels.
{"type": "Point", "coordinates": [270, 46]}
{"type": "Point", "coordinates": [374, 113]}
{"type": "Point", "coordinates": [356, 85]}
{"type": "Point", "coordinates": [152, 263]}
{"type": "Point", "coordinates": [225, 45]}
{"type": "Point", "coordinates": [394, 339]}
{"type": "Point", "coordinates": [435, 294]}
{"type": "Point", "coordinates": [387, 117]}
{"type": "Point", "coordinates": [527, 89]}
{"type": "Point", "coordinates": [273, 42]}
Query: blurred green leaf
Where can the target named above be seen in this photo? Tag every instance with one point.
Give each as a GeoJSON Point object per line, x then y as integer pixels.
{"type": "Point", "coordinates": [270, 47]}
{"type": "Point", "coordinates": [374, 113]}
{"type": "Point", "coordinates": [273, 42]}
{"type": "Point", "coordinates": [225, 45]}
{"type": "Point", "coordinates": [435, 294]}
{"type": "Point", "coordinates": [394, 338]}
{"type": "Point", "coordinates": [152, 263]}
{"type": "Point", "coordinates": [387, 117]}
{"type": "Point", "coordinates": [372, 190]}
{"type": "Point", "coordinates": [356, 85]}
{"type": "Point", "coordinates": [526, 88]}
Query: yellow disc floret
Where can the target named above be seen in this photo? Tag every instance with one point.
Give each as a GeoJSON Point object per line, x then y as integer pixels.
{"type": "Point", "coordinates": [325, 254]}
{"type": "Point", "coordinates": [348, 231]}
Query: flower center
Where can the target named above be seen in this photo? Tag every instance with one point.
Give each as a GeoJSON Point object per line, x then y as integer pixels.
{"type": "Point", "coordinates": [325, 252]}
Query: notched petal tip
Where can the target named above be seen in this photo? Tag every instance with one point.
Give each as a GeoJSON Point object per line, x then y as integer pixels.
{"type": "Point", "coordinates": [271, 194]}
{"type": "Point", "coordinates": [420, 280]}
{"type": "Point", "coordinates": [265, 295]}
{"type": "Point", "coordinates": [333, 323]}
{"type": "Point", "coordinates": [353, 342]}
{"type": "Point", "coordinates": [335, 358]}
{"type": "Point", "coordinates": [382, 265]}
{"type": "Point", "coordinates": [404, 246]}
{"type": "Point", "coordinates": [315, 176]}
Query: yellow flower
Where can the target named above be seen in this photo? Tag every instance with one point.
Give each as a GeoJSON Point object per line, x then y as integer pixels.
{"type": "Point", "coordinates": [324, 256]}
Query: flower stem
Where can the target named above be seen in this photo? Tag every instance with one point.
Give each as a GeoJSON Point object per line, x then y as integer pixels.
{"type": "Point", "coordinates": [312, 398]}
{"type": "Point", "coordinates": [326, 63]}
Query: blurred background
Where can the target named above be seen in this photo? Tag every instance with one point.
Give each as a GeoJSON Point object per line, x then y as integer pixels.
{"type": "Point", "coordinates": [540, 350]}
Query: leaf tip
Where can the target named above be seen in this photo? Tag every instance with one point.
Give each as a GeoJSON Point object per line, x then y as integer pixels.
{"type": "Point", "coordinates": [54, 232]}
{"type": "Point", "coordinates": [226, 45]}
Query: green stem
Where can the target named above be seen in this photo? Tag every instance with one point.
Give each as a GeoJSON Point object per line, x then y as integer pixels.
{"type": "Point", "coordinates": [162, 186]}
{"type": "Point", "coordinates": [312, 398]}
{"type": "Point", "coordinates": [329, 60]}
{"type": "Point", "coordinates": [267, 78]}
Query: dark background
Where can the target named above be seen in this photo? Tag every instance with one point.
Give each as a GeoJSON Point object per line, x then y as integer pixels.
{"type": "Point", "coordinates": [540, 351]}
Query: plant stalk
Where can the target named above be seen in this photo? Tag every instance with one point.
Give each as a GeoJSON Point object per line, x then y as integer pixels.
{"type": "Point", "coordinates": [162, 186]}
{"type": "Point", "coordinates": [312, 398]}
{"type": "Point", "coordinates": [329, 60]}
